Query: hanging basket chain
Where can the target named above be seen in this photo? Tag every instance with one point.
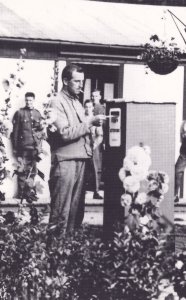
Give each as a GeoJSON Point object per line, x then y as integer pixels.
{"type": "Point", "coordinates": [160, 57]}
{"type": "Point", "coordinates": [174, 16]}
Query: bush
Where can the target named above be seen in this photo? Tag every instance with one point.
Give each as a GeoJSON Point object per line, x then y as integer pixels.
{"type": "Point", "coordinates": [81, 266]}
{"type": "Point", "coordinates": [139, 262]}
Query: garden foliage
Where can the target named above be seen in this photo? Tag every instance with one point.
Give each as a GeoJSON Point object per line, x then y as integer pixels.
{"type": "Point", "coordinates": [139, 263]}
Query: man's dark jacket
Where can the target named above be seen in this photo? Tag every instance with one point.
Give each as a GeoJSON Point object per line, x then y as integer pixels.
{"type": "Point", "coordinates": [26, 122]}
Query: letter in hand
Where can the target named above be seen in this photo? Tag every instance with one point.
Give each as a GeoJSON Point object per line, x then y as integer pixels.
{"type": "Point", "coordinates": [98, 120]}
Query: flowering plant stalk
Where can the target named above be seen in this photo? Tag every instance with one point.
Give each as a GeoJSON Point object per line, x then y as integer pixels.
{"type": "Point", "coordinates": [11, 85]}
{"type": "Point", "coordinates": [143, 189]}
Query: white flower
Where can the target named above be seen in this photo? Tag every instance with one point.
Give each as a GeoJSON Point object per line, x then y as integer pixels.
{"type": "Point", "coordinates": [131, 184]}
{"type": "Point", "coordinates": [147, 150]}
{"type": "Point", "coordinates": [153, 185]}
{"type": "Point", "coordinates": [161, 198]}
{"type": "Point", "coordinates": [164, 188]}
{"type": "Point", "coordinates": [139, 171]}
{"type": "Point", "coordinates": [137, 156]}
{"type": "Point", "coordinates": [165, 177]}
{"type": "Point", "coordinates": [128, 164]}
{"type": "Point", "coordinates": [179, 264]}
{"type": "Point", "coordinates": [126, 200]}
{"type": "Point", "coordinates": [144, 220]}
{"type": "Point", "coordinates": [122, 174]}
{"type": "Point", "coordinates": [141, 198]}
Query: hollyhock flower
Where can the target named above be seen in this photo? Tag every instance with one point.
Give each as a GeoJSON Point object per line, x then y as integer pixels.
{"type": "Point", "coordinates": [139, 172]}
{"type": "Point", "coordinates": [141, 198]}
{"type": "Point", "coordinates": [147, 150]}
{"type": "Point", "coordinates": [128, 164]}
{"type": "Point", "coordinates": [153, 185]}
{"type": "Point", "coordinates": [131, 184]}
{"type": "Point", "coordinates": [152, 175]}
{"type": "Point", "coordinates": [161, 198]}
{"type": "Point", "coordinates": [164, 176]}
{"type": "Point", "coordinates": [164, 188]}
{"type": "Point", "coordinates": [139, 156]}
{"type": "Point", "coordinates": [126, 200]}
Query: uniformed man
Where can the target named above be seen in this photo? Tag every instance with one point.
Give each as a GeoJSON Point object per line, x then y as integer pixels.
{"type": "Point", "coordinates": [26, 125]}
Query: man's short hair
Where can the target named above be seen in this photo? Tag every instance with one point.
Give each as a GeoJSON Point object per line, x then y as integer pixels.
{"type": "Point", "coordinates": [88, 101]}
{"type": "Point", "coordinates": [69, 69]}
{"type": "Point", "coordinates": [30, 94]}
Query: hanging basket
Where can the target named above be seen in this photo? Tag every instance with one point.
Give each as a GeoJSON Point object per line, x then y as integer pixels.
{"type": "Point", "coordinates": [163, 66]}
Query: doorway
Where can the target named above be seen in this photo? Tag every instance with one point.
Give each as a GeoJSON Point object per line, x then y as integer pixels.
{"type": "Point", "coordinates": [102, 77]}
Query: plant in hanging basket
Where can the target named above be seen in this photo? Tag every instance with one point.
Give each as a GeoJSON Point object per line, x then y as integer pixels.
{"type": "Point", "coordinates": [160, 56]}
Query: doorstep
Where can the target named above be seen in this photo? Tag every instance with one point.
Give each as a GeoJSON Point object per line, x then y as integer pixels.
{"type": "Point", "coordinates": [181, 203]}
{"type": "Point", "coordinates": [42, 202]}
{"type": "Point", "coordinates": [14, 202]}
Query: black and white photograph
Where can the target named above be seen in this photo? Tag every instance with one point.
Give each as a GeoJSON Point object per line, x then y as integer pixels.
{"type": "Point", "coordinates": [93, 150]}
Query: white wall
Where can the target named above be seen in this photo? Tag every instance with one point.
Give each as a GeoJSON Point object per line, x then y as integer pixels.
{"type": "Point", "coordinates": [151, 87]}
{"type": "Point", "coordinates": [142, 87]}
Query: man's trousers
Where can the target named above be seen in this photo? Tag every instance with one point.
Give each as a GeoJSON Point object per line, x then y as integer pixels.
{"type": "Point", "coordinates": [179, 170]}
{"type": "Point", "coordinates": [29, 157]}
{"type": "Point", "coordinates": [67, 190]}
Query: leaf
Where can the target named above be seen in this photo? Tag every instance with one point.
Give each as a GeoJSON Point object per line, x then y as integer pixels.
{"type": "Point", "coordinates": [112, 285]}
{"type": "Point", "coordinates": [38, 158]}
{"type": "Point", "coordinates": [154, 38]}
{"type": "Point", "coordinates": [7, 100]}
{"type": "Point", "coordinates": [40, 174]}
{"type": "Point", "coordinates": [2, 196]}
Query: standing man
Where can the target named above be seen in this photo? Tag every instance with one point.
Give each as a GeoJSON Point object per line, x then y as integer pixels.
{"type": "Point", "coordinates": [96, 98]}
{"type": "Point", "coordinates": [95, 165]}
{"type": "Point", "coordinates": [26, 146]}
{"type": "Point", "coordinates": [70, 148]}
{"type": "Point", "coordinates": [98, 153]}
{"type": "Point", "coordinates": [181, 162]}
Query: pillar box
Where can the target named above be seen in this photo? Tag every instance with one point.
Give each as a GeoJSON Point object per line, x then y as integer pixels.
{"type": "Point", "coordinates": [129, 124]}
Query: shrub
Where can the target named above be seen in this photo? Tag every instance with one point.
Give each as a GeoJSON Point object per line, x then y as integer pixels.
{"type": "Point", "coordinates": [81, 266]}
